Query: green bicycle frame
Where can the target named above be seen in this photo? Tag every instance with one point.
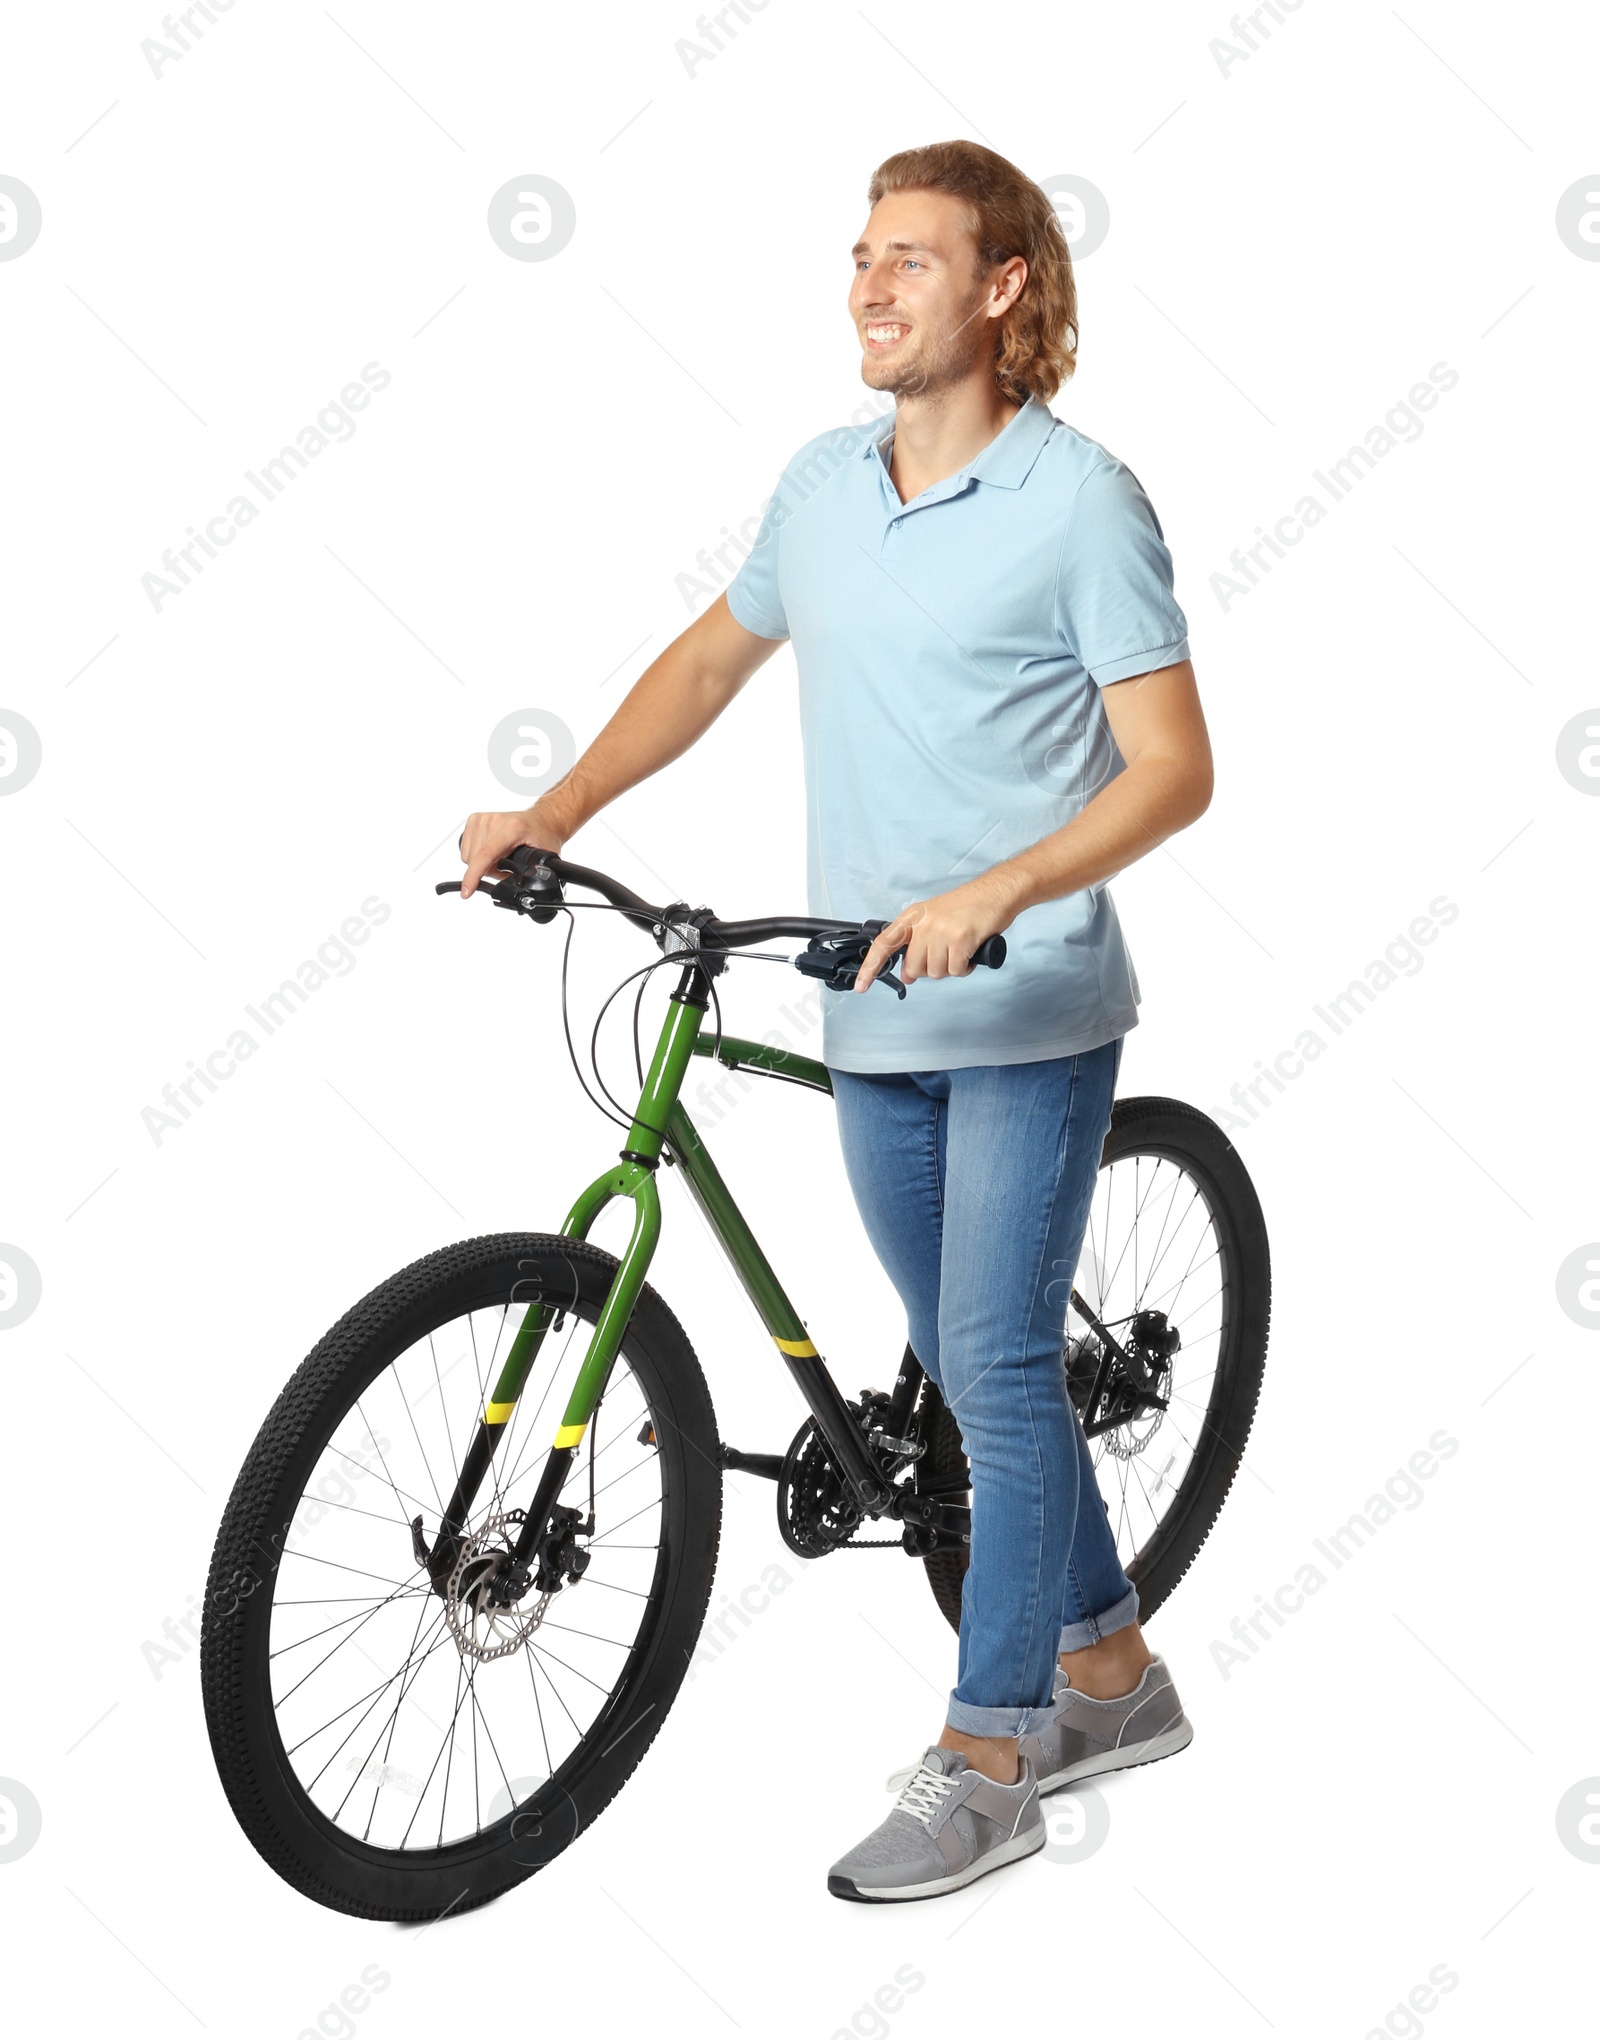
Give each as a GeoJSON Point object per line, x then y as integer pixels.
{"type": "Point", "coordinates": [660, 1125]}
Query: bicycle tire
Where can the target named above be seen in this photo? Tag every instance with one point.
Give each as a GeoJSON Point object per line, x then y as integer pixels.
{"type": "Point", "coordinates": [288, 1830]}
{"type": "Point", "coordinates": [1163, 1126]}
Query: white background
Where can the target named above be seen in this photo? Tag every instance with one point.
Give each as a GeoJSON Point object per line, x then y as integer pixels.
{"type": "Point", "coordinates": [1292, 246]}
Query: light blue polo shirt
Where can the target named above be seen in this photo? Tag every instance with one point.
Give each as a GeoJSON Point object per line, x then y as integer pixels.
{"type": "Point", "coordinates": [951, 652]}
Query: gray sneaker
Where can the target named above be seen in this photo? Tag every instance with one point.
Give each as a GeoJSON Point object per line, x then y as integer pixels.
{"type": "Point", "coordinates": [949, 1825]}
{"type": "Point", "coordinates": [1088, 1736]}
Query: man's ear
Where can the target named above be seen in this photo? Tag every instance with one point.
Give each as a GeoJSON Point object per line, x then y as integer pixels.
{"type": "Point", "coordinates": [1014, 273]}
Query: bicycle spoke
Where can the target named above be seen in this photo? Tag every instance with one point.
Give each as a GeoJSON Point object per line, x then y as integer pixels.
{"type": "Point", "coordinates": [616, 1642]}
{"type": "Point", "coordinates": [317, 1667]}
{"type": "Point", "coordinates": [535, 1656]}
{"type": "Point", "coordinates": [394, 1716]}
{"type": "Point", "coordinates": [316, 1558]}
{"type": "Point", "coordinates": [373, 1697]}
{"type": "Point", "coordinates": [547, 1652]}
{"type": "Point", "coordinates": [1188, 1271]}
{"type": "Point", "coordinates": [372, 1434]}
{"type": "Point", "coordinates": [301, 1642]}
{"type": "Point", "coordinates": [533, 1686]}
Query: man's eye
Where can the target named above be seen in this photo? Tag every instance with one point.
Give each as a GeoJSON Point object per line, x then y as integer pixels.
{"type": "Point", "coordinates": [912, 263]}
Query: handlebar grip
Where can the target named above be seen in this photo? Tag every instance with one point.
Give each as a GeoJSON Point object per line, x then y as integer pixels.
{"type": "Point", "coordinates": [991, 951]}
{"type": "Point", "coordinates": [524, 859]}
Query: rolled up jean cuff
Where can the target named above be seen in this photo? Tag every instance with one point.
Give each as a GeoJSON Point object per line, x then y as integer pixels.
{"type": "Point", "coordinates": [1006, 1721]}
{"type": "Point", "coordinates": [1079, 1635]}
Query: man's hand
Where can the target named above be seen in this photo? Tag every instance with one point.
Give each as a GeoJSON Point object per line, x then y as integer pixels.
{"type": "Point", "coordinates": [489, 837]}
{"type": "Point", "coordinates": [939, 935]}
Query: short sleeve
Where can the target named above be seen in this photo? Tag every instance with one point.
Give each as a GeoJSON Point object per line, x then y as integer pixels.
{"type": "Point", "coordinates": [1114, 603]}
{"type": "Point", "coordinates": [753, 593]}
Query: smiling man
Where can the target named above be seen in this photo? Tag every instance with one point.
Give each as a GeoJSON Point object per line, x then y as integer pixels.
{"type": "Point", "coordinates": [998, 713]}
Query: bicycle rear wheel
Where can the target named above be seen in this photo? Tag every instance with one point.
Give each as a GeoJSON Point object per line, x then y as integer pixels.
{"type": "Point", "coordinates": [397, 1751]}
{"type": "Point", "coordinates": [1175, 1229]}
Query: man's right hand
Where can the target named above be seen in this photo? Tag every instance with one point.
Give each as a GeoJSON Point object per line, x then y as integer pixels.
{"type": "Point", "coordinates": [489, 837]}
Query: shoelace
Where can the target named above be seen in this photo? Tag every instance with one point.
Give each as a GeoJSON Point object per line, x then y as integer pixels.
{"type": "Point", "coordinates": [924, 1794]}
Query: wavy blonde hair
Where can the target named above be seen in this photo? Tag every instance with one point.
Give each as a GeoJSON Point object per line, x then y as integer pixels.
{"type": "Point", "coordinates": [1010, 215]}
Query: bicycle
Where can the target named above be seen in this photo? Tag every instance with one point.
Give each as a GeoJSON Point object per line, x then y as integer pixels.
{"type": "Point", "coordinates": [416, 1702]}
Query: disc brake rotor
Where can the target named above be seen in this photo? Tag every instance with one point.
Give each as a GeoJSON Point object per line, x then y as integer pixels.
{"type": "Point", "coordinates": [484, 1624]}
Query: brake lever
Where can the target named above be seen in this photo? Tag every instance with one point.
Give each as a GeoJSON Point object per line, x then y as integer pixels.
{"type": "Point", "coordinates": [837, 960]}
{"type": "Point", "coordinates": [501, 891]}
{"type": "Point", "coordinates": [872, 930]}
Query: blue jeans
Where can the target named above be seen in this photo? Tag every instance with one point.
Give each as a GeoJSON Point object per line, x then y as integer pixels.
{"type": "Point", "coordinates": [974, 1186]}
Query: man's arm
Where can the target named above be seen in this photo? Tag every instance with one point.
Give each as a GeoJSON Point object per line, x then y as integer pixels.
{"type": "Point", "coordinates": [673, 702]}
{"type": "Point", "coordinates": [1160, 730]}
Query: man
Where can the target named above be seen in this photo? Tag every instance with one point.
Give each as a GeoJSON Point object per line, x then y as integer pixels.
{"type": "Point", "coordinates": [998, 712]}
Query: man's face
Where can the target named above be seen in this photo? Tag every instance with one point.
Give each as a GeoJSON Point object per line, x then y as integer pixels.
{"type": "Point", "coordinates": [920, 306]}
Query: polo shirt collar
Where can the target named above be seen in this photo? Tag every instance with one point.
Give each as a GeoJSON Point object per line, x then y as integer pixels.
{"type": "Point", "coordinates": [1009, 457]}
{"type": "Point", "coordinates": [1004, 463]}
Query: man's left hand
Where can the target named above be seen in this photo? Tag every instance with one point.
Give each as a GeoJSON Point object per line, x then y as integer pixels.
{"type": "Point", "coordinates": [939, 935]}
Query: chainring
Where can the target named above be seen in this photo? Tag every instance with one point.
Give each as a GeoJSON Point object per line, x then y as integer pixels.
{"type": "Point", "coordinates": [817, 1513]}
{"type": "Point", "coordinates": [816, 1510]}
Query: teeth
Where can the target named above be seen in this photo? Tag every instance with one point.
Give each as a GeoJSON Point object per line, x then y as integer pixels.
{"type": "Point", "coordinates": [887, 332]}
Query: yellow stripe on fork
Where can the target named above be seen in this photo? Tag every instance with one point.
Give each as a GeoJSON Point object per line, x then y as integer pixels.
{"type": "Point", "coordinates": [569, 1434]}
{"type": "Point", "coordinates": [498, 1412]}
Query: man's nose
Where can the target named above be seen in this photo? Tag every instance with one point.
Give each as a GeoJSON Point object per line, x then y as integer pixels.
{"type": "Point", "coordinates": [872, 286]}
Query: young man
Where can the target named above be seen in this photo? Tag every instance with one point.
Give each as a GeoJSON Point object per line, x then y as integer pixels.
{"type": "Point", "coordinates": [998, 712]}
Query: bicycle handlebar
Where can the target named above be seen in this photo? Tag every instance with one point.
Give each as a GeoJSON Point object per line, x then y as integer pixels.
{"type": "Point", "coordinates": [834, 952]}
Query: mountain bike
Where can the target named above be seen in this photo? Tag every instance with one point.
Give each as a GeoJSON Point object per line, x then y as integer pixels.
{"type": "Point", "coordinates": [464, 1566]}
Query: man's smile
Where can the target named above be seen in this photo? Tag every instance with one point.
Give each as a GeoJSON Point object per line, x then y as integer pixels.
{"type": "Point", "coordinates": [882, 334]}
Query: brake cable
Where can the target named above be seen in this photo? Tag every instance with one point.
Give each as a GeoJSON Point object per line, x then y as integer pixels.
{"type": "Point", "coordinates": [643, 974]}
{"type": "Point", "coordinates": [656, 963]}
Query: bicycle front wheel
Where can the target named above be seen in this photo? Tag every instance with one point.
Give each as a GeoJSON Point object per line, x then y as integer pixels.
{"type": "Point", "coordinates": [394, 1748]}
{"type": "Point", "coordinates": [1175, 1254]}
